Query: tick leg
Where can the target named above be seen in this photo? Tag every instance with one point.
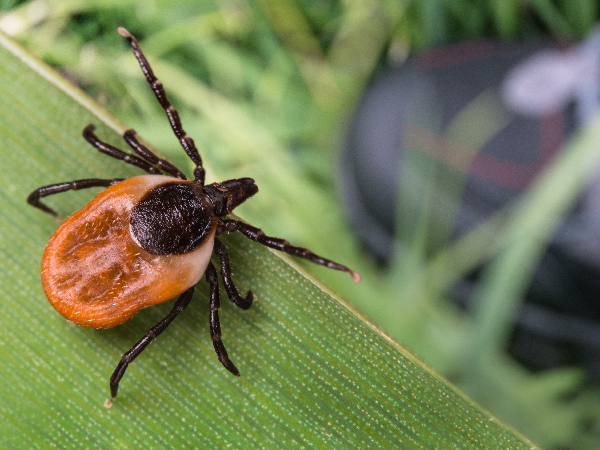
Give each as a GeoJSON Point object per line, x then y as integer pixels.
{"type": "Point", "coordinates": [257, 235]}
{"type": "Point", "coordinates": [232, 292]}
{"type": "Point", "coordinates": [183, 300]}
{"type": "Point", "coordinates": [34, 198]}
{"type": "Point", "coordinates": [146, 154]}
{"type": "Point", "coordinates": [215, 324]}
{"type": "Point", "coordinates": [107, 149]}
{"type": "Point", "coordinates": [186, 142]}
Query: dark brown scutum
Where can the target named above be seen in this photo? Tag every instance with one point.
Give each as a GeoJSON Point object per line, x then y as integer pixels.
{"type": "Point", "coordinates": [172, 219]}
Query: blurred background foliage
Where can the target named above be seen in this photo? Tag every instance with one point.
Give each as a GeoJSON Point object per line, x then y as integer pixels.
{"type": "Point", "coordinates": [266, 88]}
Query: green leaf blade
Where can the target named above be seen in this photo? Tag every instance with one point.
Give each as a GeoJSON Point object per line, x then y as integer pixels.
{"type": "Point", "coordinates": [315, 373]}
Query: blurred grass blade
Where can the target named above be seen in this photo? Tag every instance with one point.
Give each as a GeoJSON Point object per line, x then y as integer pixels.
{"type": "Point", "coordinates": [314, 372]}
{"type": "Point", "coordinates": [535, 220]}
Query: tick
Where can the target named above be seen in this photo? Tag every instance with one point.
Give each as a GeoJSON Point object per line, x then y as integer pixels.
{"type": "Point", "coordinates": [147, 239]}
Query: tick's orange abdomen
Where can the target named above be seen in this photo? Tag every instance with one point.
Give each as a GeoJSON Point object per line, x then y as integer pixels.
{"type": "Point", "coordinates": [96, 275]}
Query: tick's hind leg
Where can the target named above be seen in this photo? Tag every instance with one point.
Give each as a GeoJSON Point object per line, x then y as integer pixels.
{"type": "Point", "coordinates": [107, 149]}
{"type": "Point", "coordinates": [45, 191]}
{"type": "Point", "coordinates": [257, 235]}
{"type": "Point", "coordinates": [215, 324]}
{"type": "Point", "coordinates": [232, 292]}
{"type": "Point", "coordinates": [146, 154]}
{"type": "Point", "coordinates": [183, 300]}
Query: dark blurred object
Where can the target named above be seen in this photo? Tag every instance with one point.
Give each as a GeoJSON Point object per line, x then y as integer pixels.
{"type": "Point", "coordinates": [416, 108]}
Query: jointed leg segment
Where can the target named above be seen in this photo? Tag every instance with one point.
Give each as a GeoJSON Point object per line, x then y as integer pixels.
{"type": "Point", "coordinates": [186, 142]}
{"type": "Point", "coordinates": [146, 154]}
{"type": "Point", "coordinates": [147, 161]}
{"type": "Point", "coordinates": [180, 305]}
{"type": "Point", "coordinates": [215, 324]}
{"type": "Point", "coordinates": [232, 292]}
{"type": "Point", "coordinates": [183, 300]}
{"type": "Point", "coordinates": [34, 198]}
{"type": "Point", "coordinates": [107, 149]}
{"type": "Point", "coordinates": [257, 235]}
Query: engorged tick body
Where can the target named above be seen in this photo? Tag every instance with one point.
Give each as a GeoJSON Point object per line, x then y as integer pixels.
{"type": "Point", "coordinates": [148, 239]}
{"type": "Point", "coordinates": [96, 270]}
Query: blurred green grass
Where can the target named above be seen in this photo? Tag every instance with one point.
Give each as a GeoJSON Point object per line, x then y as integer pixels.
{"type": "Point", "coordinates": [265, 87]}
